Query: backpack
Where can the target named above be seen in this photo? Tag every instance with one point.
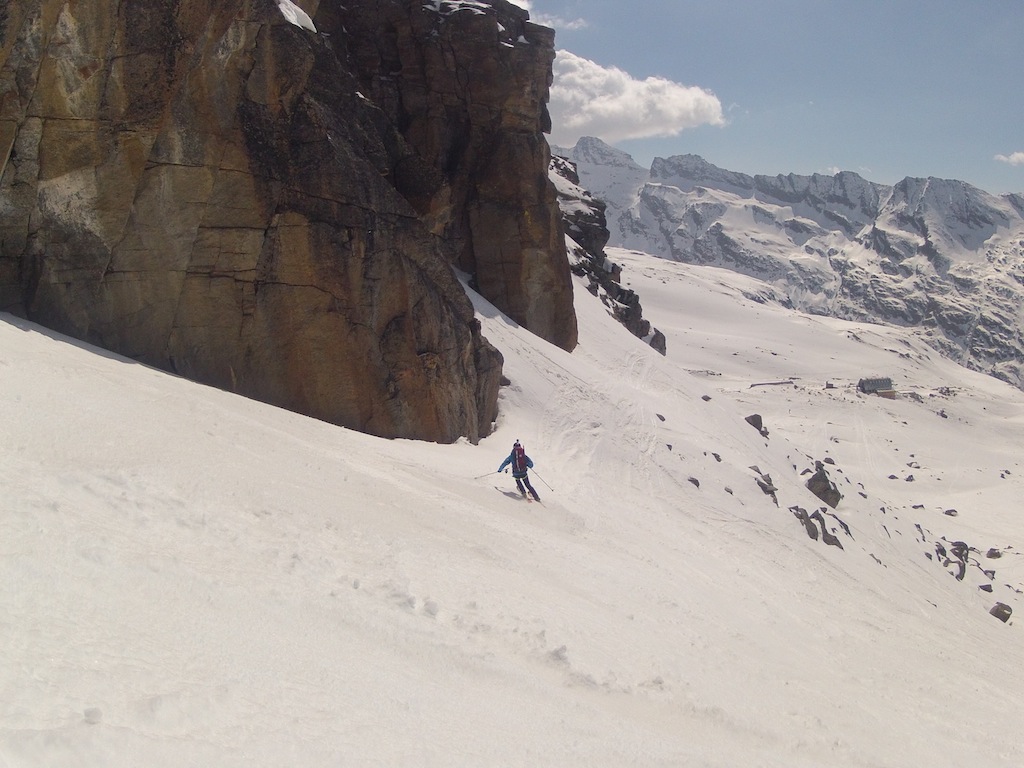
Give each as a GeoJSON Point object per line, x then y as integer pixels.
{"type": "Point", "coordinates": [518, 458]}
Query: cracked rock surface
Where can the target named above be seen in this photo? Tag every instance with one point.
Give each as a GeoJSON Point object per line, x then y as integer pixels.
{"type": "Point", "coordinates": [212, 190]}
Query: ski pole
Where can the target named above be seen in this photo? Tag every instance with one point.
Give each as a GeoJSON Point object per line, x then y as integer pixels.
{"type": "Point", "coordinates": [489, 473]}
{"type": "Point", "coordinates": [543, 480]}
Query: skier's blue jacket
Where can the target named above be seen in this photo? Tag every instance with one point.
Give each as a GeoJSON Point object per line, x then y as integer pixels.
{"type": "Point", "coordinates": [520, 470]}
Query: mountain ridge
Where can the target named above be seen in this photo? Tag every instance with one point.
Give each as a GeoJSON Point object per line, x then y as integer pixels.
{"type": "Point", "coordinates": [937, 255]}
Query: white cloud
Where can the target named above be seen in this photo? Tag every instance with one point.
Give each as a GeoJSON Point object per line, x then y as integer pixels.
{"type": "Point", "coordinates": [588, 99]}
{"type": "Point", "coordinates": [548, 20]}
{"type": "Point", "coordinates": [1017, 158]}
{"type": "Point", "coordinates": [557, 22]}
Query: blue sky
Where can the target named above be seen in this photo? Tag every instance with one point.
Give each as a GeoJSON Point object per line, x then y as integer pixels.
{"type": "Point", "coordinates": [886, 88]}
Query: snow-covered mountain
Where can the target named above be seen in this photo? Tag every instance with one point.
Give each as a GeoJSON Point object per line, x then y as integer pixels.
{"type": "Point", "coordinates": [939, 256]}
{"type": "Point", "coordinates": [188, 577]}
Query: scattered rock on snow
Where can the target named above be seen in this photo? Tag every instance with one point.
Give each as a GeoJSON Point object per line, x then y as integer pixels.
{"type": "Point", "coordinates": [826, 536]}
{"type": "Point", "coordinates": [818, 516]}
{"type": "Point", "coordinates": [821, 486]}
{"type": "Point", "coordinates": [764, 482]}
{"type": "Point", "coordinates": [1001, 611]}
{"type": "Point", "coordinates": [960, 550]}
{"type": "Point", "coordinates": [757, 423]}
{"type": "Point", "coordinates": [801, 514]}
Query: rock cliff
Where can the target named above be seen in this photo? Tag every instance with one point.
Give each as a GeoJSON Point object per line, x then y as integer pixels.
{"type": "Point", "coordinates": [467, 85]}
{"type": "Point", "coordinates": [586, 234]}
{"type": "Point", "coordinates": [218, 190]}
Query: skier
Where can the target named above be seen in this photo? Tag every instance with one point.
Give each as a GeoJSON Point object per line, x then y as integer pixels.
{"type": "Point", "coordinates": [520, 464]}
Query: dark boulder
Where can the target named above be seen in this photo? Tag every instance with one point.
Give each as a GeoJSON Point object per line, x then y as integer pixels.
{"type": "Point", "coordinates": [822, 486]}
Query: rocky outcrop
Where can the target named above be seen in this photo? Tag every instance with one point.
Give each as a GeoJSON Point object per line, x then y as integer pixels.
{"type": "Point", "coordinates": [467, 85]}
{"type": "Point", "coordinates": [586, 231]}
{"type": "Point", "coordinates": [1002, 611]}
{"type": "Point", "coordinates": [821, 485]}
{"type": "Point", "coordinates": [814, 523]}
{"type": "Point", "coordinates": [210, 189]}
{"type": "Point", "coordinates": [757, 422]}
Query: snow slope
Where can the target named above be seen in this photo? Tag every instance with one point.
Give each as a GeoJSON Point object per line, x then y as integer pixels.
{"type": "Point", "coordinates": [295, 15]}
{"type": "Point", "coordinates": [191, 578]}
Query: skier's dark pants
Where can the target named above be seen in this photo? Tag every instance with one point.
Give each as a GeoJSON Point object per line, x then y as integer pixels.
{"type": "Point", "coordinates": [520, 481]}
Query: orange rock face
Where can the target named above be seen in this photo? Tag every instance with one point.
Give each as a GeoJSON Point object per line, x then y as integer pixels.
{"type": "Point", "coordinates": [212, 190]}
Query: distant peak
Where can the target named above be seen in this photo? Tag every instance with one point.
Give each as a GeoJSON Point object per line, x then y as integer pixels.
{"type": "Point", "coordinates": [593, 150]}
{"type": "Point", "coordinates": [687, 161]}
{"type": "Point", "coordinates": [689, 165]}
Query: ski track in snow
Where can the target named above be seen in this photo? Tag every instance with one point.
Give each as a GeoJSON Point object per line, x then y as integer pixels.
{"type": "Point", "coordinates": [193, 578]}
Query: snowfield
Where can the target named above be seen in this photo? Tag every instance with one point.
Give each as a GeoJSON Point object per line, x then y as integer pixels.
{"type": "Point", "coordinates": [190, 578]}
